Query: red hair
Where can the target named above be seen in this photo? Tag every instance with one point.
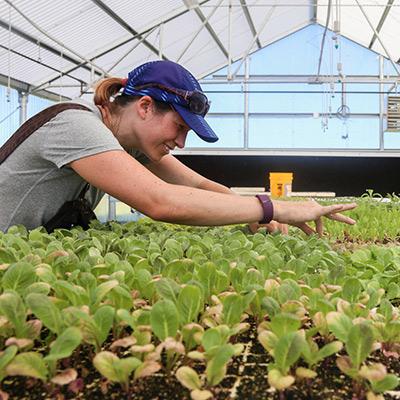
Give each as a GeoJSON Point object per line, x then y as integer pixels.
{"type": "Point", "coordinates": [107, 88]}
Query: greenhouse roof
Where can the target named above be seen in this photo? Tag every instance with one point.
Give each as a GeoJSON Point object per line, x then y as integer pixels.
{"type": "Point", "coordinates": [62, 46]}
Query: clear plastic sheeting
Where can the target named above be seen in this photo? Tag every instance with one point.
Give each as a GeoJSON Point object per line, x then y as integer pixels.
{"type": "Point", "coordinates": [390, 33]}
{"type": "Point", "coordinates": [50, 42]}
{"type": "Point", "coordinates": [351, 21]}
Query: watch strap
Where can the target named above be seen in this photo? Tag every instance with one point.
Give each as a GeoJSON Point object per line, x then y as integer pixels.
{"type": "Point", "coordinates": [268, 208]}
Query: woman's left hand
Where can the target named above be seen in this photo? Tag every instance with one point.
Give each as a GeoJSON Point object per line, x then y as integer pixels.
{"type": "Point", "coordinates": [271, 227]}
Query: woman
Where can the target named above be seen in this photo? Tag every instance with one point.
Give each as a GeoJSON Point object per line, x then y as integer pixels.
{"type": "Point", "coordinates": [121, 145]}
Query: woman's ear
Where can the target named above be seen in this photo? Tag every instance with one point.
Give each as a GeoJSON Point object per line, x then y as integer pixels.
{"type": "Point", "coordinates": [145, 107]}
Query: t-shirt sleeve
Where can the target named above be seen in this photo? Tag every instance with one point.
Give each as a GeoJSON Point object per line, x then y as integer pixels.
{"type": "Point", "coordinates": [75, 134]}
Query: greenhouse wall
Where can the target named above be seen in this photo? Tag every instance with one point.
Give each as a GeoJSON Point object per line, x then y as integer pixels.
{"type": "Point", "coordinates": [346, 176]}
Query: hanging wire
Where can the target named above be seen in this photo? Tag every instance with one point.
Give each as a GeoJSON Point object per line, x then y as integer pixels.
{"type": "Point", "coordinates": [337, 38]}
{"type": "Point", "coordinates": [345, 130]}
{"type": "Point", "coordinates": [9, 115]}
{"type": "Point", "coordinates": [328, 16]}
{"type": "Point", "coordinates": [39, 51]}
{"type": "Point", "coordinates": [8, 95]}
{"type": "Point", "coordinates": [61, 73]}
{"type": "Point", "coordinates": [36, 26]}
{"type": "Point", "coordinates": [324, 121]}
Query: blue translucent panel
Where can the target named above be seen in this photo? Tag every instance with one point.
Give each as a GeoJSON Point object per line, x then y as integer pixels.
{"type": "Point", "coordinates": [225, 70]}
{"type": "Point", "coordinates": [291, 102]}
{"type": "Point", "coordinates": [367, 102]}
{"type": "Point", "coordinates": [314, 98]}
{"type": "Point", "coordinates": [36, 104]}
{"type": "Point", "coordinates": [388, 68]}
{"type": "Point", "coordinates": [225, 97]}
{"type": "Point", "coordinates": [308, 133]}
{"type": "Point", "coordinates": [392, 140]}
{"type": "Point", "coordinates": [228, 129]}
{"type": "Point", "coordinates": [9, 113]}
{"type": "Point", "coordinates": [299, 54]}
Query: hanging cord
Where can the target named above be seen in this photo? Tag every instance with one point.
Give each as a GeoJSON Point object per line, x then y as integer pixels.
{"type": "Point", "coordinates": [39, 52]}
{"type": "Point", "coordinates": [328, 16]}
{"type": "Point", "coordinates": [9, 115]}
{"type": "Point", "coordinates": [345, 130]}
{"type": "Point", "coordinates": [61, 74]}
{"type": "Point", "coordinates": [9, 57]}
{"type": "Point", "coordinates": [336, 38]}
{"type": "Point", "coordinates": [87, 61]}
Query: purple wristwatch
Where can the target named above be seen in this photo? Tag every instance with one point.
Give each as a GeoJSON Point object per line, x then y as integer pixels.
{"type": "Point", "coordinates": [268, 208]}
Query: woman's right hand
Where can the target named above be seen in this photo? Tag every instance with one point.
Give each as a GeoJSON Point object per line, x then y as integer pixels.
{"type": "Point", "coordinates": [298, 213]}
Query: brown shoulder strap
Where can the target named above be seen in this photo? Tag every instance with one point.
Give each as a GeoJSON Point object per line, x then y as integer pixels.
{"type": "Point", "coordinates": [33, 124]}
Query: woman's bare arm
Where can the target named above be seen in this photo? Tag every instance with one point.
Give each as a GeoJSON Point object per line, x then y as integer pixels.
{"type": "Point", "coordinates": [117, 173]}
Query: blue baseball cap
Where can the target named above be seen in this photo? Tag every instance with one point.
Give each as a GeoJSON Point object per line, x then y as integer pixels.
{"type": "Point", "coordinates": [171, 77]}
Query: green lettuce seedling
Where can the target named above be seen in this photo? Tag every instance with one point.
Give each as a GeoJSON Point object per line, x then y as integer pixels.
{"type": "Point", "coordinates": [13, 308]}
{"type": "Point", "coordinates": [45, 309]}
{"type": "Point", "coordinates": [62, 347]}
{"type": "Point", "coordinates": [286, 353]}
{"type": "Point", "coordinates": [116, 369]}
{"type": "Point", "coordinates": [313, 355]}
{"type": "Point", "coordinates": [387, 325]}
{"type": "Point", "coordinates": [6, 356]}
{"type": "Point", "coordinates": [189, 378]}
{"type": "Point", "coordinates": [28, 364]}
{"type": "Point", "coordinates": [164, 319]}
{"type": "Point", "coordinates": [359, 345]}
{"type": "Point", "coordinates": [234, 305]}
{"type": "Point", "coordinates": [217, 352]}
{"type": "Point", "coordinates": [191, 335]}
{"type": "Point", "coordinates": [34, 365]}
{"type": "Point", "coordinates": [173, 350]}
{"type": "Point", "coordinates": [94, 328]}
{"type": "Point", "coordinates": [189, 303]}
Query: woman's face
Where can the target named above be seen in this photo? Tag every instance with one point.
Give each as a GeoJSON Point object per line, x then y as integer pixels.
{"type": "Point", "coordinates": [154, 133]}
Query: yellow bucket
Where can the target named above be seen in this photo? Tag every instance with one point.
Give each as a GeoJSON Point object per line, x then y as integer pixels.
{"type": "Point", "coordinates": [280, 184]}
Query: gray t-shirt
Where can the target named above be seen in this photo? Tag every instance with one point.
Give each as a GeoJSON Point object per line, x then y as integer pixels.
{"type": "Point", "coordinates": [35, 180]}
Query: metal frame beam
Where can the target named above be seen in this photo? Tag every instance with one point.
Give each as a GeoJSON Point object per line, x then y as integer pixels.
{"type": "Point", "coordinates": [40, 63]}
{"type": "Point", "coordinates": [258, 33]}
{"type": "Point", "coordinates": [381, 106]}
{"type": "Point", "coordinates": [196, 8]}
{"type": "Point", "coordinates": [203, 151]}
{"type": "Point", "coordinates": [246, 108]}
{"type": "Point", "coordinates": [25, 87]}
{"type": "Point", "coordinates": [395, 66]}
{"type": "Point", "coordinates": [284, 115]}
{"type": "Point", "coordinates": [126, 26]}
{"type": "Point", "coordinates": [218, 67]}
{"type": "Point", "coordinates": [23, 106]}
{"type": "Point", "coordinates": [310, 79]}
{"type": "Point", "coordinates": [381, 22]}
{"type": "Point", "coordinates": [31, 39]}
{"type": "Point", "coordinates": [104, 52]}
{"type": "Point", "coordinates": [198, 31]}
{"type": "Point", "coordinates": [314, 5]}
{"type": "Point", "coordinates": [246, 13]}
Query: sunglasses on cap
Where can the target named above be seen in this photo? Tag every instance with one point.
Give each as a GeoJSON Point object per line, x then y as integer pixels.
{"type": "Point", "coordinates": [196, 100]}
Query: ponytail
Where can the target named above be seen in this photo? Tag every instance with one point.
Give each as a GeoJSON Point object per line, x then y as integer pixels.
{"type": "Point", "coordinates": [107, 88]}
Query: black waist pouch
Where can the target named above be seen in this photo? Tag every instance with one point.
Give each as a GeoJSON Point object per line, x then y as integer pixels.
{"type": "Point", "coordinates": [72, 213]}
